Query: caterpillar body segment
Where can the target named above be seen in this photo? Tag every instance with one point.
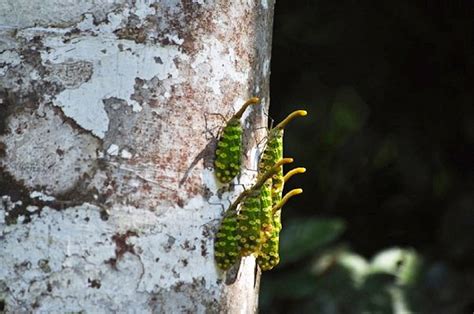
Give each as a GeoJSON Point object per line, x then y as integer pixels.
{"type": "Point", "coordinates": [228, 152]}
{"type": "Point", "coordinates": [226, 250]}
{"type": "Point", "coordinates": [266, 211]}
{"type": "Point", "coordinates": [229, 146]}
{"type": "Point", "coordinates": [277, 186]}
{"type": "Point", "coordinates": [272, 153]}
{"type": "Point", "coordinates": [273, 150]}
{"type": "Point", "coordinates": [249, 224]}
{"type": "Point", "coordinates": [268, 256]}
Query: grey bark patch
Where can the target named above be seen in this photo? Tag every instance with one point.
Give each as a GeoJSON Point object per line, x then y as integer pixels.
{"type": "Point", "coordinates": [206, 155]}
{"type": "Point", "coordinates": [20, 89]}
{"type": "Point", "coordinates": [115, 104]}
{"type": "Point", "coordinates": [71, 74]}
{"type": "Point", "coordinates": [16, 199]}
{"type": "Point", "coordinates": [57, 13]}
{"type": "Point", "coordinates": [137, 34]}
{"type": "Point", "coordinates": [169, 245]}
{"type": "Point", "coordinates": [185, 297]}
{"type": "Point", "coordinates": [30, 140]}
{"type": "Point", "coordinates": [232, 273]}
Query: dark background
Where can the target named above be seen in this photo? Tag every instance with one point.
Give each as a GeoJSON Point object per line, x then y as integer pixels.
{"type": "Point", "coordinates": [389, 149]}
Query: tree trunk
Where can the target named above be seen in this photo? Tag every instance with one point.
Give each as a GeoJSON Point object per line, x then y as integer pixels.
{"type": "Point", "coordinates": [109, 112]}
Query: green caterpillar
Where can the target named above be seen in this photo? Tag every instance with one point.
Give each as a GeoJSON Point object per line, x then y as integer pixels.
{"type": "Point", "coordinates": [249, 223]}
{"type": "Point", "coordinates": [274, 151]}
{"type": "Point", "coordinates": [229, 145]}
{"type": "Point", "coordinates": [268, 256]}
{"type": "Point", "coordinates": [227, 248]}
{"type": "Point", "coordinates": [226, 243]}
{"type": "Point", "coordinates": [256, 213]}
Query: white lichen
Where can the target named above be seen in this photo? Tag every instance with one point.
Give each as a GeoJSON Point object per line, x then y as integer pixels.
{"type": "Point", "coordinates": [113, 150]}
{"type": "Point", "coordinates": [116, 64]}
{"type": "Point", "coordinates": [41, 196]}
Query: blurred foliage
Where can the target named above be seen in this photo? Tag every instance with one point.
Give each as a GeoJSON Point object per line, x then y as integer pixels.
{"type": "Point", "coordinates": [394, 281]}
{"type": "Point", "coordinates": [389, 148]}
{"type": "Point", "coordinates": [302, 237]}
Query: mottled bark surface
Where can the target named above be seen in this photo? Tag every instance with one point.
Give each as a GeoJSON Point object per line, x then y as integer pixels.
{"type": "Point", "coordinates": [108, 117]}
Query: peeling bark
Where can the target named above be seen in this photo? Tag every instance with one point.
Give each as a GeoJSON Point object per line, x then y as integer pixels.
{"type": "Point", "coordinates": [108, 118]}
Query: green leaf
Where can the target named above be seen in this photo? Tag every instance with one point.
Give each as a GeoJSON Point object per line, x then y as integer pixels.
{"type": "Point", "coordinates": [302, 237]}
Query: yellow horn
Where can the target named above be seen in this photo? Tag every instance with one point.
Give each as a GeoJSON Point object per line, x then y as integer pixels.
{"type": "Point", "coordinates": [251, 101]}
{"type": "Point", "coordinates": [286, 198]}
{"type": "Point", "coordinates": [291, 116]}
{"type": "Point", "coordinates": [291, 173]}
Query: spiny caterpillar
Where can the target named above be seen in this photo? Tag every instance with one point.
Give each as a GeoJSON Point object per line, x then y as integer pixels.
{"type": "Point", "coordinates": [229, 145]}
{"type": "Point", "coordinates": [274, 151]}
{"type": "Point", "coordinates": [268, 256]}
{"type": "Point", "coordinates": [226, 246]}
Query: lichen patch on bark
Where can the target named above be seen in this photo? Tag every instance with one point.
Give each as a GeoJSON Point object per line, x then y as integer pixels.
{"type": "Point", "coordinates": [84, 103]}
{"type": "Point", "coordinates": [65, 154]}
{"type": "Point", "coordinates": [54, 12]}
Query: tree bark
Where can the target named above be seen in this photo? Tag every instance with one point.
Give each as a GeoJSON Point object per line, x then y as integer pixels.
{"type": "Point", "coordinates": [109, 112]}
